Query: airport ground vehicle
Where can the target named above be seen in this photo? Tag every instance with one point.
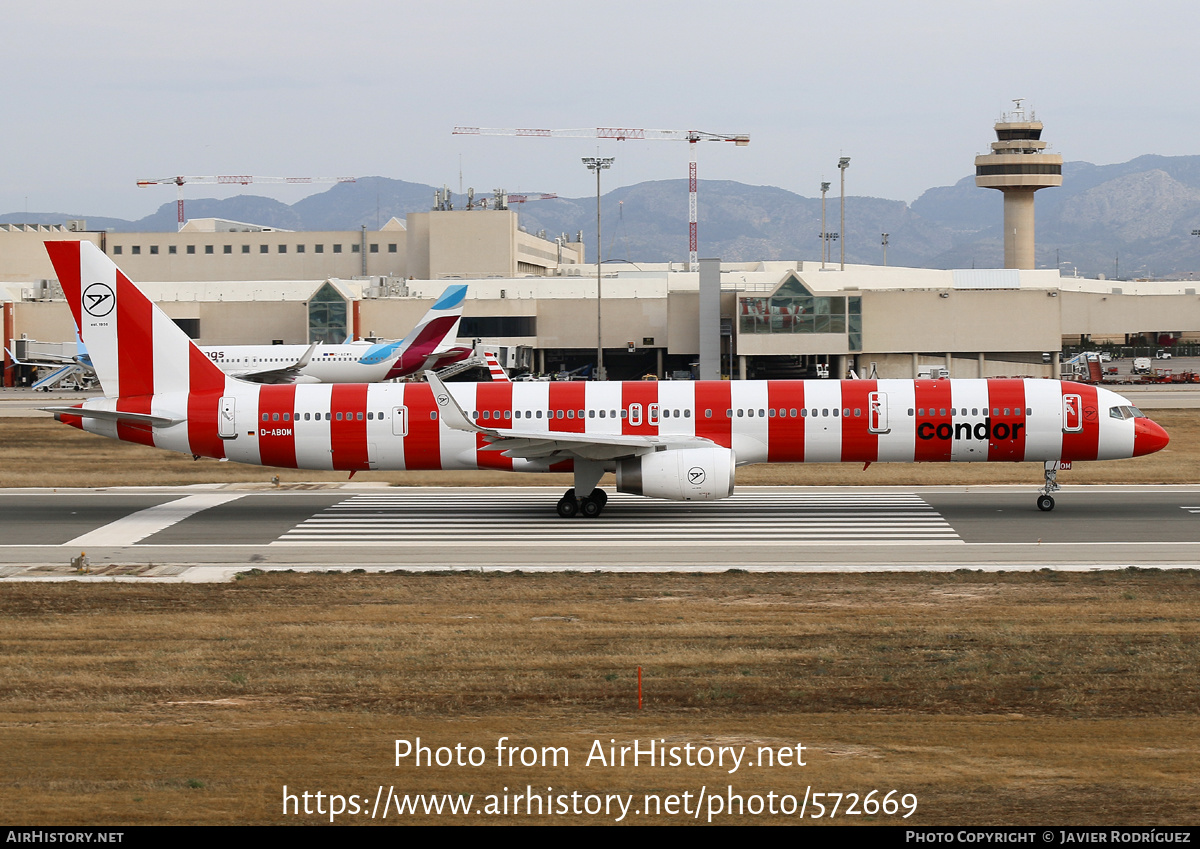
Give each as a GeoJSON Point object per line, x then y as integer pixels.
{"type": "Point", "coordinates": [679, 440]}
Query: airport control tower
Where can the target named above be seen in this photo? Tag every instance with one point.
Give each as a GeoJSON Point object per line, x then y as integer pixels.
{"type": "Point", "coordinates": [1018, 166]}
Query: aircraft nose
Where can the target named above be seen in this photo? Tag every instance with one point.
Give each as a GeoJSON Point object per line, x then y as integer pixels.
{"type": "Point", "coordinates": [1148, 437]}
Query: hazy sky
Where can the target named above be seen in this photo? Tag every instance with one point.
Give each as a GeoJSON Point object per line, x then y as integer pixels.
{"type": "Point", "coordinates": [99, 95]}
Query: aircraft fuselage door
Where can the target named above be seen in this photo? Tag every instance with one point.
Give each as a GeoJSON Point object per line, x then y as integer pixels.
{"type": "Point", "coordinates": [227, 418]}
{"type": "Point", "coordinates": [400, 421]}
{"type": "Point", "coordinates": [1072, 414]}
{"type": "Point", "coordinates": [877, 414]}
{"type": "Point", "coordinates": [635, 414]}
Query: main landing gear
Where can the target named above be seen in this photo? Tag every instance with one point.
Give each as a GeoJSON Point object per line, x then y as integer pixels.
{"type": "Point", "coordinates": [587, 475]}
{"type": "Point", "coordinates": [1045, 501]}
{"type": "Point", "coordinates": [569, 505]}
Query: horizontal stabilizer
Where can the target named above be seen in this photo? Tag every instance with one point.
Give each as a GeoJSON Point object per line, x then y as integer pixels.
{"type": "Point", "coordinates": [116, 416]}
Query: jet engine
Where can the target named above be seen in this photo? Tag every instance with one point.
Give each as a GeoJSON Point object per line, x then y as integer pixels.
{"type": "Point", "coordinates": [679, 474]}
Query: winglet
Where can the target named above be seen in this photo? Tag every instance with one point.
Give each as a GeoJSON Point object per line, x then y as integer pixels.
{"type": "Point", "coordinates": [304, 361]}
{"type": "Point", "coordinates": [451, 413]}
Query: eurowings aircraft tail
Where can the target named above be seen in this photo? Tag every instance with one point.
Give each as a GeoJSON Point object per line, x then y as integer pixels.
{"type": "Point", "coordinates": [431, 341]}
{"type": "Point", "coordinates": [152, 355]}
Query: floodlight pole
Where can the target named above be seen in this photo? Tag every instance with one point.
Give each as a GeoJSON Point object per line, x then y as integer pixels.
{"type": "Point", "coordinates": [885, 241]}
{"type": "Point", "coordinates": [598, 164]}
{"type": "Point", "coordinates": [824, 235]}
{"type": "Point", "coordinates": [843, 164]}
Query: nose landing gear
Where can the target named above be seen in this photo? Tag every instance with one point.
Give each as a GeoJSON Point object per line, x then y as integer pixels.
{"type": "Point", "coordinates": [1045, 501]}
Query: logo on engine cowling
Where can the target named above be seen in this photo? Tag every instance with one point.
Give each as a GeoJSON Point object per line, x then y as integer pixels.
{"type": "Point", "coordinates": [695, 475]}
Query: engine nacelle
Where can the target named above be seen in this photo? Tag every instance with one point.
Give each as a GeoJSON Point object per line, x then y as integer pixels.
{"type": "Point", "coordinates": [679, 474]}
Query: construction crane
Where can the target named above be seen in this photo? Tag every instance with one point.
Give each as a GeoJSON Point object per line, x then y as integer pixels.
{"type": "Point", "coordinates": [232, 180]}
{"type": "Point", "coordinates": [623, 134]}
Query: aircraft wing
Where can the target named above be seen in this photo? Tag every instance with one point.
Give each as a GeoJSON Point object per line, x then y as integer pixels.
{"type": "Point", "coordinates": [532, 445]}
{"type": "Point", "coordinates": [280, 375]}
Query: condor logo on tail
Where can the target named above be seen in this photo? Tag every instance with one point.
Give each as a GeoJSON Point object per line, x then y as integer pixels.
{"type": "Point", "coordinates": [98, 300]}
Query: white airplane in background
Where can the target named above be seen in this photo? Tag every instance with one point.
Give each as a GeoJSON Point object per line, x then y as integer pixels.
{"type": "Point", "coordinates": [679, 440]}
{"type": "Point", "coordinates": [430, 345]}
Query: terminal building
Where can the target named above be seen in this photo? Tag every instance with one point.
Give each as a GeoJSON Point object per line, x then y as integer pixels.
{"type": "Point", "coordinates": [776, 319]}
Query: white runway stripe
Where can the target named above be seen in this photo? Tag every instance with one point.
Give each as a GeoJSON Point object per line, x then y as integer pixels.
{"type": "Point", "coordinates": [529, 519]}
{"type": "Point", "coordinates": [137, 526]}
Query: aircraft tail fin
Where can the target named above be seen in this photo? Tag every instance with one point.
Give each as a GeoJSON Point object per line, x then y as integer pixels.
{"type": "Point", "coordinates": [435, 333]}
{"type": "Point", "coordinates": [499, 375]}
{"type": "Point", "coordinates": [152, 355]}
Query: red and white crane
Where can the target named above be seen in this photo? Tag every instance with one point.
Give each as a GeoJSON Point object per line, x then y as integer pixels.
{"type": "Point", "coordinates": [232, 180]}
{"type": "Point", "coordinates": [623, 134]}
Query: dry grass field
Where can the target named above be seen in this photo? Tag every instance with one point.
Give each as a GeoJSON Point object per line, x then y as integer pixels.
{"type": "Point", "coordinates": [1046, 698]}
{"type": "Point", "coordinates": [42, 452]}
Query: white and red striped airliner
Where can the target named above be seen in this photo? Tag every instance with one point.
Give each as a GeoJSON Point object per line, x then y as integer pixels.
{"type": "Point", "coordinates": [679, 440]}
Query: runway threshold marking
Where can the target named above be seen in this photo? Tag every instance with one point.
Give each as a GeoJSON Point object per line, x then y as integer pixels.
{"type": "Point", "coordinates": [137, 526]}
{"type": "Point", "coordinates": [755, 519]}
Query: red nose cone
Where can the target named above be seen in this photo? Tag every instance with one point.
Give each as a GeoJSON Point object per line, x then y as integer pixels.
{"type": "Point", "coordinates": [1148, 437]}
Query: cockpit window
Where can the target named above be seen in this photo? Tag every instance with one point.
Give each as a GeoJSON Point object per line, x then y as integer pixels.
{"type": "Point", "coordinates": [1125, 412]}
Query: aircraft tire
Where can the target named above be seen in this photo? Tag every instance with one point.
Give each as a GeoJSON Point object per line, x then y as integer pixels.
{"type": "Point", "coordinates": [590, 507]}
{"type": "Point", "coordinates": [1045, 503]}
{"type": "Point", "coordinates": [568, 507]}
{"type": "Point", "coordinates": [601, 496]}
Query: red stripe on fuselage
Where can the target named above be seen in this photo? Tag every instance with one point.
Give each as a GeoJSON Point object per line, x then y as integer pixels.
{"type": "Point", "coordinates": [785, 433]}
{"type": "Point", "coordinates": [204, 405]}
{"type": "Point", "coordinates": [348, 437]}
{"type": "Point", "coordinates": [859, 445]}
{"type": "Point", "coordinates": [276, 430]}
{"type": "Point", "coordinates": [496, 399]}
{"type": "Point", "coordinates": [567, 395]}
{"type": "Point", "coordinates": [1006, 430]}
{"type": "Point", "coordinates": [143, 434]}
{"type": "Point", "coordinates": [933, 409]}
{"type": "Point", "coordinates": [1085, 444]}
{"type": "Point", "coordinates": [422, 446]}
{"type": "Point", "coordinates": [715, 396]}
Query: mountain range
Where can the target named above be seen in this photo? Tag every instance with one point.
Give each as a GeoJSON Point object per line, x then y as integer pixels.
{"type": "Point", "coordinates": [1136, 218]}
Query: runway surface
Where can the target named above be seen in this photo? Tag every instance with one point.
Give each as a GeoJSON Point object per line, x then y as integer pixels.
{"type": "Point", "coordinates": [209, 532]}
